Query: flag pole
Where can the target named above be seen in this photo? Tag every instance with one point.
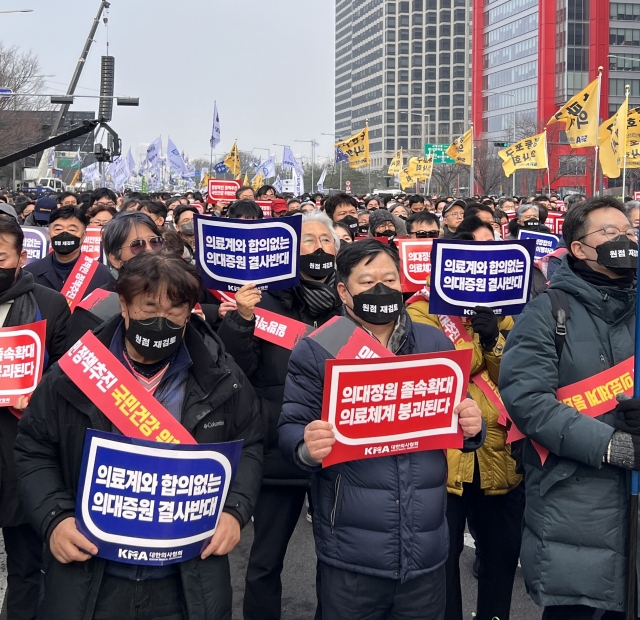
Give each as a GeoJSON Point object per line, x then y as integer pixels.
{"type": "Point", "coordinates": [472, 171]}
{"type": "Point", "coordinates": [627, 88]}
{"type": "Point", "coordinates": [546, 148]}
{"type": "Point", "coordinates": [597, 147]}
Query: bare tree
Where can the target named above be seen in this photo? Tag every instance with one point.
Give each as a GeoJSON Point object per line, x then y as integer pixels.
{"type": "Point", "coordinates": [488, 168]}
{"type": "Point", "coordinates": [446, 176]}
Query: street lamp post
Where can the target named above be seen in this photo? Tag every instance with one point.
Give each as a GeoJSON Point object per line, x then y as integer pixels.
{"type": "Point", "coordinates": [313, 156]}
{"type": "Point", "coordinates": [335, 137]}
{"type": "Point", "coordinates": [512, 95]}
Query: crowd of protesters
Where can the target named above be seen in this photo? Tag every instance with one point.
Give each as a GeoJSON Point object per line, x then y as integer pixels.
{"type": "Point", "coordinates": [389, 531]}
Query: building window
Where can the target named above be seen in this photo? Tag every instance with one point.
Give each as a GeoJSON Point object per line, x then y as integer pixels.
{"type": "Point", "coordinates": [391, 49]}
{"type": "Point", "coordinates": [458, 86]}
{"type": "Point", "coordinates": [416, 74]}
{"type": "Point", "coordinates": [403, 103]}
{"type": "Point", "coordinates": [416, 130]}
{"type": "Point", "coordinates": [443, 129]}
{"type": "Point", "coordinates": [624, 36]}
{"type": "Point", "coordinates": [431, 46]}
{"type": "Point", "coordinates": [458, 114]}
{"type": "Point", "coordinates": [390, 131]}
{"type": "Point", "coordinates": [403, 143]}
{"type": "Point", "coordinates": [459, 29]}
{"type": "Point", "coordinates": [391, 22]}
{"type": "Point", "coordinates": [431, 74]}
{"type": "Point", "coordinates": [431, 32]}
{"type": "Point", "coordinates": [444, 87]}
{"type": "Point", "coordinates": [391, 8]}
{"type": "Point", "coordinates": [443, 115]}
{"type": "Point", "coordinates": [403, 35]}
{"type": "Point", "coordinates": [430, 87]}
{"type": "Point", "coordinates": [445, 44]}
{"type": "Point", "coordinates": [458, 128]}
{"type": "Point", "coordinates": [416, 102]}
{"type": "Point", "coordinates": [390, 90]}
{"type": "Point", "coordinates": [458, 72]}
{"type": "Point", "coordinates": [403, 117]}
{"type": "Point", "coordinates": [391, 76]}
{"type": "Point", "coordinates": [403, 76]}
{"type": "Point", "coordinates": [417, 19]}
{"type": "Point", "coordinates": [416, 33]}
{"type": "Point", "coordinates": [403, 89]}
{"type": "Point", "coordinates": [458, 57]}
{"type": "Point", "coordinates": [416, 88]}
{"type": "Point", "coordinates": [430, 102]}
{"type": "Point", "coordinates": [416, 143]}
{"type": "Point", "coordinates": [390, 117]}
{"type": "Point", "coordinates": [403, 62]}
{"type": "Point", "coordinates": [390, 104]}
{"type": "Point", "coordinates": [459, 15]}
{"type": "Point", "coordinates": [403, 7]}
{"type": "Point", "coordinates": [445, 73]}
{"type": "Point", "coordinates": [403, 48]}
{"type": "Point", "coordinates": [416, 61]}
{"type": "Point", "coordinates": [432, 4]}
{"type": "Point", "coordinates": [445, 58]}
{"type": "Point", "coordinates": [444, 101]}
{"type": "Point", "coordinates": [624, 11]}
{"type": "Point", "coordinates": [391, 36]}
{"type": "Point", "coordinates": [458, 100]}
{"type": "Point", "coordinates": [458, 44]}
{"type": "Point", "coordinates": [572, 165]}
{"type": "Point", "coordinates": [391, 63]}
{"type": "Point", "coordinates": [391, 145]}
{"type": "Point", "coordinates": [417, 5]}
{"type": "Point", "coordinates": [403, 130]}
{"type": "Point", "coordinates": [430, 60]}
{"type": "Point", "coordinates": [431, 18]}
{"type": "Point", "coordinates": [445, 30]}
{"type": "Point", "coordinates": [416, 48]}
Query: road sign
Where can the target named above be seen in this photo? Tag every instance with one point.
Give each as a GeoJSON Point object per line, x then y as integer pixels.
{"type": "Point", "coordinates": [439, 152]}
{"type": "Point", "coordinates": [347, 187]}
{"type": "Point", "coordinates": [5, 92]}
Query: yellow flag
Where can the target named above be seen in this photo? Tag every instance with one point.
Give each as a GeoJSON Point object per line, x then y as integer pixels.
{"type": "Point", "coordinates": [606, 155]}
{"type": "Point", "coordinates": [428, 170]}
{"type": "Point", "coordinates": [76, 178]}
{"type": "Point", "coordinates": [232, 160]}
{"type": "Point", "coordinates": [356, 148]}
{"type": "Point", "coordinates": [419, 168]}
{"type": "Point", "coordinates": [405, 179]}
{"type": "Point", "coordinates": [396, 164]}
{"type": "Point", "coordinates": [619, 133]}
{"type": "Point", "coordinates": [205, 180]}
{"type": "Point", "coordinates": [258, 182]}
{"type": "Point", "coordinates": [528, 153]}
{"type": "Point", "coordinates": [462, 149]}
{"type": "Point", "coordinates": [246, 179]}
{"type": "Point", "coordinates": [580, 117]}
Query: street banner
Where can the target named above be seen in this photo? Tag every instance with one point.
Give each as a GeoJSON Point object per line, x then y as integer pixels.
{"type": "Point", "coordinates": [529, 153]}
{"type": "Point", "coordinates": [92, 244]}
{"type": "Point", "coordinates": [265, 205]}
{"type": "Point", "coordinates": [384, 407]}
{"type": "Point", "coordinates": [356, 148]}
{"type": "Point", "coordinates": [465, 274]}
{"type": "Point", "coordinates": [232, 253]}
{"type": "Point", "coordinates": [22, 352]}
{"type": "Point", "coordinates": [36, 242]}
{"type": "Point", "coordinates": [278, 329]}
{"type": "Point", "coordinates": [221, 190]}
{"type": "Point", "coordinates": [117, 393]}
{"type": "Point", "coordinates": [79, 279]}
{"type": "Point", "coordinates": [415, 263]}
{"type": "Point", "coordinates": [545, 243]}
{"type": "Point", "coordinates": [554, 222]}
{"type": "Point", "coordinates": [152, 504]}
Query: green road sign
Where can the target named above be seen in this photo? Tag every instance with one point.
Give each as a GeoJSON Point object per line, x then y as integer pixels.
{"type": "Point", "coordinates": [439, 152]}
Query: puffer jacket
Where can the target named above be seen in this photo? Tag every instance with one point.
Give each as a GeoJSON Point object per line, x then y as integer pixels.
{"type": "Point", "coordinates": [384, 516]}
{"type": "Point", "coordinates": [219, 406]}
{"type": "Point", "coordinates": [497, 468]}
{"type": "Point", "coordinates": [576, 517]}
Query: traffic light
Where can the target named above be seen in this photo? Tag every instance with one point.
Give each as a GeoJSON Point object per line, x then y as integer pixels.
{"type": "Point", "coordinates": [502, 145]}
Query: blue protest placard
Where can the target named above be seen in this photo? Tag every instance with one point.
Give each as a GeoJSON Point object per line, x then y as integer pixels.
{"type": "Point", "coordinates": [36, 242]}
{"type": "Point", "coordinates": [232, 253]}
{"type": "Point", "coordinates": [545, 242]}
{"type": "Point", "coordinates": [150, 503]}
{"type": "Point", "coordinates": [465, 274]}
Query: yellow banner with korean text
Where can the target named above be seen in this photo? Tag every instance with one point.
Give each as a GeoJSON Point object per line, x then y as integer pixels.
{"type": "Point", "coordinates": [462, 149]}
{"type": "Point", "coordinates": [420, 168]}
{"type": "Point", "coordinates": [396, 164]}
{"type": "Point", "coordinates": [356, 148]}
{"type": "Point", "coordinates": [530, 153]}
{"type": "Point", "coordinates": [580, 117]}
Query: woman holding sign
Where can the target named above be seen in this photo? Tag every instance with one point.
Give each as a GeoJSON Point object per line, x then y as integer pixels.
{"type": "Point", "coordinates": [22, 304]}
{"type": "Point", "coordinates": [265, 362]}
{"type": "Point", "coordinates": [156, 353]}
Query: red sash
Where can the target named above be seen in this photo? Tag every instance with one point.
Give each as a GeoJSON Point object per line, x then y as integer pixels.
{"type": "Point", "coordinates": [78, 281]}
{"type": "Point", "coordinates": [278, 329]}
{"type": "Point", "coordinates": [117, 393]}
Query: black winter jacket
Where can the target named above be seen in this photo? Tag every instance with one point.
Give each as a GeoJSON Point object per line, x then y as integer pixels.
{"type": "Point", "coordinates": [219, 406]}
{"type": "Point", "coordinates": [55, 310]}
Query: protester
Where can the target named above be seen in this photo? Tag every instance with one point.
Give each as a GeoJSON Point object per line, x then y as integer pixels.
{"type": "Point", "coordinates": [99, 215]}
{"type": "Point", "coordinates": [381, 224]}
{"type": "Point", "coordinates": [343, 232]}
{"type": "Point", "coordinates": [22, 302]}
{"type": "Point", "coordinates": [574, 548]}
{"type": "Point", "coordinates": [266, 192]}
{"type": "Point", "coordinates": [105, 197]}
{"type": "Point", "coordinates": [67, 227]}
{"type": "Point", "coordinates": [452, 215]}
{"type": "Point", "coordinates": [363, 222]}
{"type": "Point", "coordinates": [183, 222]}
{"type": "Point", "coordinates": [483, 486]}
{"type": "Point", "coordinates": [245, 210]}
{"type": "Point", "coordinates": [416, 204]}
{"type": "Point", "coordinates": [371, 203]}
{"type": "Point", "coordinates": [423, 225]}
{"type": "Point", "coordinates": [27, 209]}
{"type": "Point", "coordinates": [382, 553]}
{"type": "Point", "coordinates": [632, 209]}
{"type": "Point", "coordinates": [400, 211]}
{"type": "Point", "coordinates": [284, 487]}
{"type": "Point", "coordinates": [164, 289]}
{"type": "Point", "coordinates": [245, 193]}
{"type": "Point", "coordinates": [155, 210]}
{"type": "Point", "coordinates": [279, 207]}
{"type": "Point", "coordinates": [43, 208]}
{"type": "Point", "coordinates": [343, 208]}
{"type": "Point", "coordinates": [68, 199]}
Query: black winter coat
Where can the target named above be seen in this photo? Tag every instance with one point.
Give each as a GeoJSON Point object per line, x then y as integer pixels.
{"type": "Point", "coordinates": [55, 310]}
{"type": "Point", "coordinates": [219, 406]}
{"type": "Point", "coordinates": [45, 275]}
{"type": "Point", "coordinates": [265, 364]}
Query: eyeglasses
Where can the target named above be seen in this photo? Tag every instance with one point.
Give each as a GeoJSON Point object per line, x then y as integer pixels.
{"type": "Point", "coordinates": [612, 232]}
{"type": "Point", "coordinates": [99, 222]}
{"type": "Point", "coordinates": [137, 246]}
{"type": "Point", "coordinates": [106, 204]}
{"type": "Point", "coordinates": [427, 234]}
{"type": "Point", "coordinates": [457, 214]}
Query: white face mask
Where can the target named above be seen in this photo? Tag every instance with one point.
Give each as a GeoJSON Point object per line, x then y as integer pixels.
{"type": "Point", "coordinates": [169, 218]}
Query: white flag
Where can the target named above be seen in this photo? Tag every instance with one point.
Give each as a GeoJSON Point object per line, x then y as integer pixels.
{"type": "Point", "coordinates": [267, 168]}
{"type": "Point", "coordinates": [119, 171]}
{"type": "Point", "coordinates": [289, 161]}
{"type": "Point", "coordinates": [298, 184]}
{"type": "Point", "coordinates": [91, 173]}
{"type": "Point", "coordinates": [77, 159]}
{"type": "Point", "coordinates": [215, 132]}
{"type": "Point", "coordinates": [174, 159]}
{"type": "Point", "coordinates": [154, 152]}
{"type": "Point", "coordinates": [51, 158]}
{"type": "Point", "coordinates": [277, 185]}
{"type": "Point", "coordinates": [323, 176]}
{"type": "Point", "coordinates": [131, 162]}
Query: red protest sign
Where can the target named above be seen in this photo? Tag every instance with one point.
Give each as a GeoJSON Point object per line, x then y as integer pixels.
{"type": "Point", "coordinates": [555, 221]}
{"type": "Point", "coordinates": [91, 246]}
{"type": "Point", "coordinates": [227, 296]}
{"type": "Point", "coordinates": [221, 190]}
{"type": "Point", "coordinates": [415, 263]}
{"type": "Point", "coordinates": [118, 394]}
{"type": "Point", "coordinates": [383, 407]}
{"type": "Point", "coordinates": [278, 329]}
{"type": "Point", "coordinates": [21, 360]}
{"type": "Point", "coordinates": [265, 205]}
{"type": "Point", "coordinates": [93, 299]}
{"type": "Point", "coordinates": [78, 281]}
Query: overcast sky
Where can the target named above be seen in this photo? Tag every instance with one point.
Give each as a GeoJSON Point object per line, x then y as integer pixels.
{"type": "Point", "coordinates": [268, 63]}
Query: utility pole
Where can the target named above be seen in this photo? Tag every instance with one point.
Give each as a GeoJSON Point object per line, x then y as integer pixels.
{"type": "Point", "coordinates": [78, 72]}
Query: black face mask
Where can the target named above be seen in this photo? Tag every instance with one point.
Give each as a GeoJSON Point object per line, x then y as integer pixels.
{"type": "Point", "coordinates": [65, 243]}
{"type": "Point", "coordinates": [7, 278]}
{"type": "Point", "coordinates": [619, 255]}
{"type": "Point", "coordinates": [386, 233]}
{"type": "Point", "coordinates": [155, 341]}
{"type": "Point", "coordinates": [378, 305]}
{"type": "Point", "coordinates": [351, 222]}
{"type": "Point", "coordinates": [364, 229]}
{"type": "Point", "coordinates": [317, 265]}
{"type": "Point", "coordinates": [531, 225]}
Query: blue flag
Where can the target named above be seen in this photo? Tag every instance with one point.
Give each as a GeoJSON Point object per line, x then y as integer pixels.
{"type": "Point", "coordinates": [232, 253]}
{"type": "Point", "coordinates": [465, 274]}
{"type": "Point", "coordinates": [149, 503]}
{"type": "Point", "coordinates": [221, 168]}
{"type": "Point", "coordinates": [341, 155]}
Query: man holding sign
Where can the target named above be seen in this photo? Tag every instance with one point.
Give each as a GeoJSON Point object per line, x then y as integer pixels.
{"type": "Point", "coordinates": [156, 372]}
{"type": "Point", "coordinates": [379, 523]}
{"type": "Point", "coordinates": [23, 306]}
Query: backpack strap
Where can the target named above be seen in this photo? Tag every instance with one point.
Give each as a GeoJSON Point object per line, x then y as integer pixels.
{"type": "Point", "coordinates": [562, 313]}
